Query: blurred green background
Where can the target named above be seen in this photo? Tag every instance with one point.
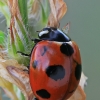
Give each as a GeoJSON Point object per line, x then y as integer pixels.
{"type": "Point", "coordinates": [84, 18]}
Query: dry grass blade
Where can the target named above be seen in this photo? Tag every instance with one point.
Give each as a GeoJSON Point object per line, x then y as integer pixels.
{"type": "Point", "coordinates": [58, 10]}
{"type": "Point", "coordinates": [21, 78]}
{"type": "Point", "coordinates": [79, 94]}
{"type": "Point", "coordinates": [8, 88]}
{"type": "Point", "coordinates": [13, 72]}
{"type": "Point", "coordinates": [13, 6]}
{"type": "Point", "coordinates": [35, 7]}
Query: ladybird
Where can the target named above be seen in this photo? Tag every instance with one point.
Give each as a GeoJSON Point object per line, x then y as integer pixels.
{"type": "Point", "coordinates": [55, 65]}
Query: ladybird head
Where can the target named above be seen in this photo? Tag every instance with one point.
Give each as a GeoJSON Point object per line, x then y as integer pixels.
{"type": "Point", "coordinates": [53, 34]}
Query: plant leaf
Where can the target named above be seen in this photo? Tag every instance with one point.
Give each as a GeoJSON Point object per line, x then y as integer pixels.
{"type": "Point", "coordinates": [23, 11]}
{"type": "Point", "coordinates": [2, 38]}
{"type": "Point", "coordinates": [5, 11]}
{"type": "Point", "coordinates": [38, 17]}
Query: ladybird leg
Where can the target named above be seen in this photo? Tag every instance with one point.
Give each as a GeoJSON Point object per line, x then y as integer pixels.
{"type": "Point", "coordinates": [36, 40]}
{"type": "Point", "coordinates": [25, 70]}
{"type": "Point", "coordinates": [28, 67]}
{"type": "Point", "coordinates": [24, 54]}
{"type": "Point", "coordinates": [36, 99]}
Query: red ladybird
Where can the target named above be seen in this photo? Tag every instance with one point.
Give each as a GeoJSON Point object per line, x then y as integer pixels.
{"type": "Point", "coordinates": [55, 66]}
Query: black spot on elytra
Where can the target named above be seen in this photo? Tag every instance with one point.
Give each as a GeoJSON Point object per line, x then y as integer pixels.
{"type": "Point", "coordinates": [43, 93]}
{"type": "Point", "coordinates": [66, 49]}
{"type": "Point", "coordinates": [55, 72]}
{"type": "Point", "coordinates": [35, 64]}
{"type": "Point", "coordinates": [44, 50]}
{"type": "Point", "coordinates": [78, 70]}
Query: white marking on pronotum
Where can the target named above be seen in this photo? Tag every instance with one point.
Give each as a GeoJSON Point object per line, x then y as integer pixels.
{"type": "Point", "coordinates": [43, 32]}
